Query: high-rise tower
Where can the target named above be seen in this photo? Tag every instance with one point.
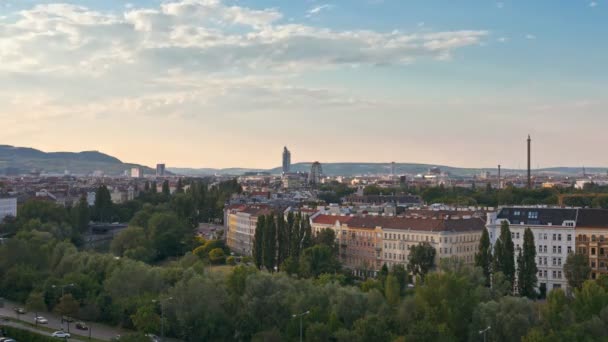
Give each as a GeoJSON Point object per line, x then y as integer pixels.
{"type": "Point", "coordinates": [529, 162]}
{"type": "Point", "coordinates": [286, 160]}
{"type": "Point", "coordinates": [316, 171]}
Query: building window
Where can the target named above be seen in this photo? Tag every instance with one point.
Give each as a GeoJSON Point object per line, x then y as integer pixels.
{"type": "Point", "coordinates": [593, 238]}
{"type": "Point", "coordinates": [559, 261]}
{"type": "Point", "coordinates": [545, 236]}
{"type": "Point", "coordinates": [593, 264]}
{"type": "Point", "coordinates": [569, 238]}
{"type": "Point", "coordinates": [533, 215]}
{"type": "Point", "coordinates": [559, 249]}
{"type": "Point", "coordinates": [545, 271]}
{"type": "Point", "coordinates": [554, 262]}
{"type": "Point", "coordinates": [554, 236]}
{"type": "Point", "coordinates": [540, 261]}
{"type": "Point", "coordinates": [554, 274]}
{"type": "Point", "coordinates": [545, 248]}
{"type": "Point", "coordinates": [569, 249]}
{"type": "Point", "coordinates": [554, 249]}
{"type": "Point", "coordinates": [593, 251]}
{"type": "Point", "coordinates": [559, 237]}
{"type": "Point", "coordinates": [517, 235]}
{"type": "Point", "coordinates": [602, 251]}
{"type": "Point", "coordinates": [559, 274]}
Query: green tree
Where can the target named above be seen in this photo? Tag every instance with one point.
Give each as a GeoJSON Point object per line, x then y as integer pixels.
{"type": "Point", "coordinates": [421, 259]}
{"type": "Point", "coordinates": [504, 253]}
{"type": "Point", "coordinates": [526, 262]}
{"type": "Point", "coordinates": [217, 256]}
{"type": "Point", "coordinates": [146, 320]}
{"type": "Point", "coordinates": [103, 204]}
{"type": "Point", "coordinates": [577, 270]}
{"type": "Point", "coordinates": [68, 306]}
{"type": "Point", "coordinates": [169, 235]}
{"type": "Point", "coordinates": [35, 302]}
{"type": "Point", "coordinates": [327, 237]}
{"type": "Point", "coordinates": [81, 216]}
{"type": "Point", "coordinates": [392, 290]}
{"type": "Point", "coordinates": [317, 260]}
{"type": "Point", "coordinates": [258, 242]}
{"type": "Point", "coordinates": [165, 189]}
{"type": "Point", "coordinates": [510, 319]}
{"type": "Point", "coordinates": [270, 244]}
{"type": "Point", "coordinates": [483, 257]}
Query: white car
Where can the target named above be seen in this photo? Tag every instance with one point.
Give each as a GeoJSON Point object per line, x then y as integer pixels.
{"type": "Point", "coordinates": [41, 320]}
{"type": "Point", "coordinates": [61, 334]}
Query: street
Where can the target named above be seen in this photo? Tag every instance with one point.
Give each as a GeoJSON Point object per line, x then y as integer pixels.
{"type": "Point", "coordinates": [98, 331]}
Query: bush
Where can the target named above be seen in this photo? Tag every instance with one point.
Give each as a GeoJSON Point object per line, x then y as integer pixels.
{"type": "Point", "coordinates": [231, 261]}
{"type": "Point", "coordinates": [217, 256]}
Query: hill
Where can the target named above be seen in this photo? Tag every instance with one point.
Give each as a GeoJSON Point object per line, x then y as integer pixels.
{"type": "Point", "coordinates": [353, 169]}
{"type": "Point", "coordinates": [20, 160]}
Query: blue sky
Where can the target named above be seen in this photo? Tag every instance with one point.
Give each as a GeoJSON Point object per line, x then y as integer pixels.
{"type": "Point", "coordinates": [210, 83]}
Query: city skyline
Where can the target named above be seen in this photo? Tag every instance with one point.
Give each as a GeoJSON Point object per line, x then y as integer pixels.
{"type": "Point", "coordinates": [211, 83]}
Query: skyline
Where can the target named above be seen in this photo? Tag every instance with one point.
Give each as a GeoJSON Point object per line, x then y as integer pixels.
{"type": "Point", "coordinates": [207, 83]}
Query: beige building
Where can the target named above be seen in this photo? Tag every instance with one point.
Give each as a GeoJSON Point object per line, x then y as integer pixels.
{"type": "Point", "coordinates": [368, 242]}
{"type": "Point", "coordinates": [240, 222]}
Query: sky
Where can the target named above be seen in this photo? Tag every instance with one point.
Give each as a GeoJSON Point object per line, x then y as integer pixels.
{"type": "Point", "coordinates": [220, 83]}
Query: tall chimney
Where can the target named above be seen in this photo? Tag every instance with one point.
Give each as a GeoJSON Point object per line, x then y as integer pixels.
{"type": "Point", "coordinates": [529, 163]}
{"type": "Point", "coordinates": [499, 179]}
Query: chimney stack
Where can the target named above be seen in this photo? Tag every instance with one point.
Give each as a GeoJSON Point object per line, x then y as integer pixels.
{"type": "Point", "coordinates": [499, 179]}
{"type": "Point", "coordinates": [529, 163]}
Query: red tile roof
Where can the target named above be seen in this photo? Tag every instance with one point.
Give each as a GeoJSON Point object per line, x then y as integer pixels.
{"type": "Point", "coordinates": [330, 219]}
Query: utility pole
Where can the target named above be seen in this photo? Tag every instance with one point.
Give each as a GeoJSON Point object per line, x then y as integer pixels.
{"type": "Point", "coordinates": [484, 332]}
{"type": "Point", "coordinates": [162, 317]}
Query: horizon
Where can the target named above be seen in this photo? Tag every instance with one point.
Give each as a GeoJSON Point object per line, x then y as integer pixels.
{"type": "Point", "coordinates": [225, 82]}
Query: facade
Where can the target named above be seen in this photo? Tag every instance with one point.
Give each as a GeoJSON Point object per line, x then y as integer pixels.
{"type": "Point", "coordinates": [160, 170]}
{"type": "Point", "coordinates": [554, 237]}
{"type": "Point", "coordinates": [368, 242]}
{"type": "Point", "coordinates": [8, 207]}
{"type": "Point", "coordinates": [316, 171]}
{"type": "Point", "coordinates": [592, 239]}
{"type": "Point", "coordinates": [240, 222]}
{"type": "Point", "coordinates": [286, 160]}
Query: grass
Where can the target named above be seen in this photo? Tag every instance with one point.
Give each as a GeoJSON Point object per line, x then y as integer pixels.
{"type": "Point", "coordinates": [222, 269]}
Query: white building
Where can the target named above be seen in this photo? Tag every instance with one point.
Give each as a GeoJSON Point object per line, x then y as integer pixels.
{"type": "Point", "coordinates": [554, 237]}
{"type": "Point", "coordinates": [137, 172]}
{"type": "Point", "coordinates": [8, 207]}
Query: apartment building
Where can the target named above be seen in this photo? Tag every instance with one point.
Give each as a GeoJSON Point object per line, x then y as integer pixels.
{"type": "Point", "coordinates": [554, 237]}
{"type": "Point", "coordinates": [368, 242]}
{"type": "Point", "coordinates": [240, 222]}
{"type": "Point", "coordinates": [592, 239]}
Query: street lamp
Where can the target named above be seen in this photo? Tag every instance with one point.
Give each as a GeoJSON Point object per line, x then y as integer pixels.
{"type": "Point", "coordinates": [162, 317]}
{"type": "Point", "coordinates": [63, 287]}
{"type": "Point", "coordinates": [484, 331]}
{"type": "Point", "coordinates": [301, 321]}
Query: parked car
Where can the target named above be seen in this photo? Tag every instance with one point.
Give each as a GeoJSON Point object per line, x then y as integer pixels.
{"type": "Point", "coordinates": [20, 311]}
{"type": "Point", "coordinates": [61, 334]}
{"type": "Point", "coordinates": [6, 339]}
{"type": "Point", "coordinates": [115, 338]}
{"type": "Point", "coordinates": [153, 338]}
{"type": "Point", "coordinates": [81, 326]}
{"type": "Point", "coordinates": [41, 320]}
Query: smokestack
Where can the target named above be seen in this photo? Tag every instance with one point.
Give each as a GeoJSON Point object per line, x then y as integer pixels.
{"type": "Point", "coordinates": [499, 181]}
{"type": "Point", "coordinates": [529, 163]}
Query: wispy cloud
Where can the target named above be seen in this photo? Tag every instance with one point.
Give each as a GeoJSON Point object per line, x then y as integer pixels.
{"type": "Point", "coordinates": [592, 4]}
{"type": "Point", "coordinates": [503, 39]}
{"type": "Point", "coordinates": [318, 9]}
{"type": "Point", "coordinates": [530, 36]}
{"type": "Point", "coordinates": [500, 5]}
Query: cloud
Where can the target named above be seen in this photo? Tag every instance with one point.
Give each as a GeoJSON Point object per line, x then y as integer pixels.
{"type": "Point", "coordinates": [503, 39]}
{"type": "Point", "coordinates": [500, 5]}
{"type": "Point", "coordinates": [530, 36]}
{"type": "Point", "coordinates": [184, 55]}
{"type": "Point", "coordinates": [318, 9]}
{"type": "Point", "coordinates": [592, 4]}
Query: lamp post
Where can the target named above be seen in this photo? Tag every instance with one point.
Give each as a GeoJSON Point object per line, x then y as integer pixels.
{"type": "Point", "coordinates": [484, 332]}
{"type": "Point", "coordinates": [301, 322]}
{"type": "Point", "coordinates": [162, 317]}
{"type": "Point", "coordinates": [63, 287]}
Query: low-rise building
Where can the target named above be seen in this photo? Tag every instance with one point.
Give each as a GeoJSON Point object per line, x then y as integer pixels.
{"type": "Point", "coordinates": [592, 239]}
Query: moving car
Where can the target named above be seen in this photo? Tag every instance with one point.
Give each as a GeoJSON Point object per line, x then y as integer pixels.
{"type": "Point", "coordinates": [67, 319]}
{"type": "Point", "coordinates": [61, 334]}
{"type": "Point", "coordinates": [81, 326]}
{"type": "Point", "coordinates": [20, 311]}
{"type": "Point", "coordinates": [41, 320]}
{"type": "Point", "coordinates": [153, 338]}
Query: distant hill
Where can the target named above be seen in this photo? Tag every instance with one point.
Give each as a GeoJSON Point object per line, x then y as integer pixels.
{"type": "Point", "coordinates": [20, 160]}
{"type": "Point", "coordinates": [354, 169]}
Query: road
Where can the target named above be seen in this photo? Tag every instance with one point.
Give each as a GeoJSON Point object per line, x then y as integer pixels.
{"type": "Point", "coordinates": [98, 331]}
